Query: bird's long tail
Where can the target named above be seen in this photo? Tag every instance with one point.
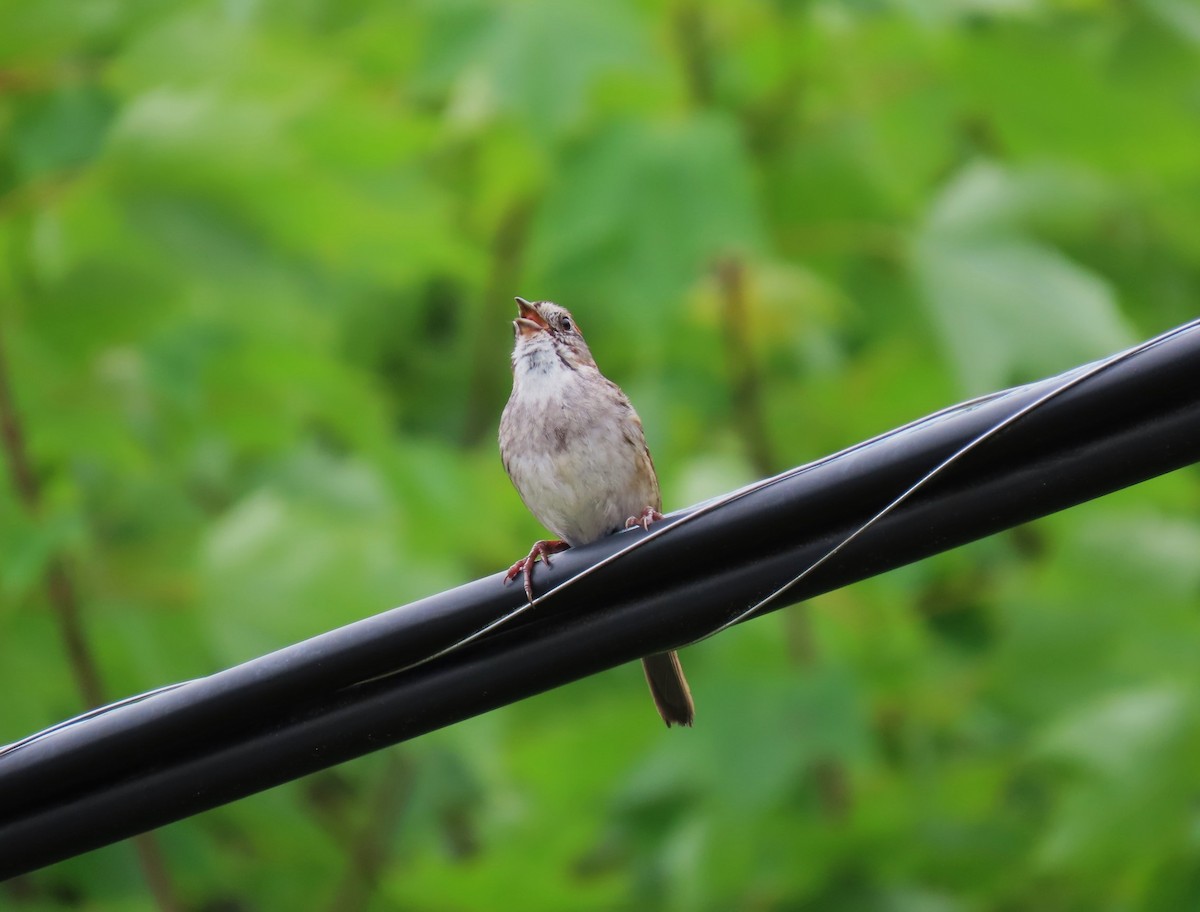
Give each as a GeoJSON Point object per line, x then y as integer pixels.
{"type": "Point", "coordinates": [669, 688]}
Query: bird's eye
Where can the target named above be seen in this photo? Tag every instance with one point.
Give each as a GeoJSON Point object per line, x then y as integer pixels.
{"type": "Point", "coordinates": [564, 323]}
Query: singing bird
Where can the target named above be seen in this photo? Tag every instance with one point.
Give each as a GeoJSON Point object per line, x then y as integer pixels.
{"type": "Point", "coordinates": [576, 453]}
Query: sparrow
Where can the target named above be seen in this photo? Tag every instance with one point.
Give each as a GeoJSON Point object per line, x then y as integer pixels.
{"type": "Point", "coordinates": [575, 451]}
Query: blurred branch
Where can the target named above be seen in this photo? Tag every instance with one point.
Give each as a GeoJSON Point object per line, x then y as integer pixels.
{"type": "Point", "coordinates": [884, 242]}
{"type": "Point", "coordinates": [826, 773]}
{"type": "Point", "coordinates": [59, 588]}
{"type": "Point", "coordinates": [744, 378]}
{"type": "Point", "coordinates": [828, 776]}
{"type": "Point", "coordinates": [64, 602]}
{"type": "Point", "coordinates": [691, 35]}
{"type": "Point", "coordinates": [35, 79]}
{"type": "Point", "coordinates": [367, 847]}
{"type": "Point", "coordinates": [38, 193]}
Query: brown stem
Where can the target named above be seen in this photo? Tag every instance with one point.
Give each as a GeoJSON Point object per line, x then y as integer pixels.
{"type": "Point", "coordinates": [827, 774]}
{"type": "Point", "coordinates": [367, 849]}
{"type": "Point", "coordinates": [798, 634]}
{"type": "Point", "coordinates": [64, 602]}
{"type": "Point", "coordinates": [59, 590]}
{"type": "Point", "coordinates": [23, 480]}
{"type": "Point", "coordinates": [690, 33]}
{"type": "Point", "coordinates": [156, 873]}
{"type": "Point", "coordinates": [745, 383]}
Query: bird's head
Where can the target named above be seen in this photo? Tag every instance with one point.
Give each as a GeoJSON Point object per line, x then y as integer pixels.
{"type": "Point", "coordinates": [543, 330]}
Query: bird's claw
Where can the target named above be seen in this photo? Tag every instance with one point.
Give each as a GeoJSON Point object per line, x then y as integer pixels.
{"type": "Point", "coordinates": [643, 519]}
{"type": "Point", "coordinates": [525, 565]}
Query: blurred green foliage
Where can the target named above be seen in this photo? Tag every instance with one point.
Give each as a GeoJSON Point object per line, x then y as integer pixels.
{"type": "Point", "coordinates": [257, 262]}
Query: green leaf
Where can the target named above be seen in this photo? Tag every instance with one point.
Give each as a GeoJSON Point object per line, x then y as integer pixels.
{"type": "Point", "coordinates": [498, 63]}
{"type": "Point", "coordinates": [1007, 307]}
{"type": "Point", "coordinates": [641, 210]}
{"type": "Point", "coordinates": [1180, 15]}
{"type": "Point", "coordinates": [1126, 752]}
{"type": "Point", "coordinates": [59, 130]}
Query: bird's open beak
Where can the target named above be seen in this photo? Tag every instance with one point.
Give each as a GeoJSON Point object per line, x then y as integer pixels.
{"type": "Point", "coordinates": [528, 320]}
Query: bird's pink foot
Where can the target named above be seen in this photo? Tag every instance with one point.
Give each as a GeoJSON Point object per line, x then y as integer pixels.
{"type": "Point", "coordinates": [644, 518]}
{"type": "Point", "coordinates": [525, 565]}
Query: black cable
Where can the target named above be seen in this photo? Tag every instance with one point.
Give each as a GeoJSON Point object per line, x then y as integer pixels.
{"type": "Point", "coordinates": [304, 708]}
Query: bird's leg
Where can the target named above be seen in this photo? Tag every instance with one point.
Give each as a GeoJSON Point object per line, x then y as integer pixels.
{"type": "Point", "coordinates": [525, 564]}
{"type": "Point", "coordinates": [644, 519]}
